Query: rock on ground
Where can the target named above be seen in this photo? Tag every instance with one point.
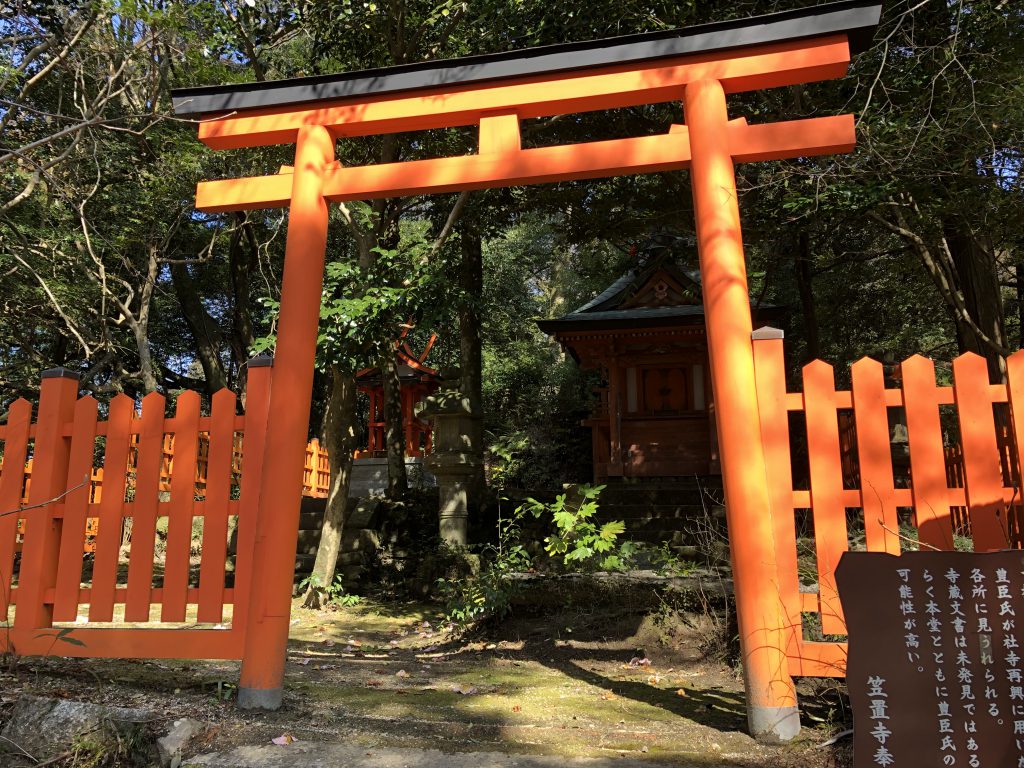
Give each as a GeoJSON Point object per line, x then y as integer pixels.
{"type": "Point", "coordinates": [44, 727]}
{"type": "Point", "coordinates": [177, 740]}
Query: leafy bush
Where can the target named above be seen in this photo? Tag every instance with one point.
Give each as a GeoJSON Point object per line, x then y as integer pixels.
{"type": "Point", "coordinates": [489, 593]}
{"type": "Point", "coordinates": [578, 539]}
{"type": "Point", "coordinates": [336, 594]}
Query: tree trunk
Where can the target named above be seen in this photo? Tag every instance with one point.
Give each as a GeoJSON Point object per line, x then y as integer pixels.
{"type": "Point", "coordinates": [205, 333]}
{"type": "Point", "coordinates": [471, 281]}
{"type": "Point", "coordinates": [1019, 272]}
{"type": "Point", "coordinates": [139, 324]}
{"type": "Point", "coordinates": [394, 432]}
{"type": "Point", "coordinates": [979, 284]}
{"type": "Point", "coordinates": [242, 257]}
{"type": "Point", "coordinates": [806, 287]}
{"type": "Point", "coordinates": [339, 436]}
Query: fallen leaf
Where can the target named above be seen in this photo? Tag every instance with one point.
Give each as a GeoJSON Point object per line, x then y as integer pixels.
{"type": "Point", "coordinates": [401, 673]}
{"type": "Point", "coordinates": [654, 679]}
{"type": "Point", "coordinates": [303, 662]}
{"type": "Point", "coordinates": [636, 661]}
{"type": "Point", "coordinates": [517, 708]}
{"type": "Point", "coordinates": [681, 692]}
{"type": "Point", "coordinates": [607, 696]}
{"type": "Point", "coordinates": [284, 740]}
{"type": "Point", "coordinates": [374, 683]}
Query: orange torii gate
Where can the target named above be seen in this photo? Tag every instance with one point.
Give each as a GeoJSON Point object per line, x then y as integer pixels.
{"type": "Point", "coordinates": [697, 66]}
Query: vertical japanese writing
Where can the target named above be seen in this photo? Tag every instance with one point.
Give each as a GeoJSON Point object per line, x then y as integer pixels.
{"type": "Point", "coordinates": [946, 731]}
{"type": "Point", "coordinates": [879, 702]}
{"type": "Point", "coordinates": [1006, 621]}
{"type": "Point", "coordinates": [950, 689]}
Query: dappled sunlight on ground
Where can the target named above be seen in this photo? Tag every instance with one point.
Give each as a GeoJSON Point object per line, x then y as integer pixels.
{"type": "Point", "coordinates": [392, 674]}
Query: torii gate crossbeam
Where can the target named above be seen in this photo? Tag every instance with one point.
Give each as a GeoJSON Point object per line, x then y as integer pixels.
{"type": "Point", "coordinates": [696, 66]}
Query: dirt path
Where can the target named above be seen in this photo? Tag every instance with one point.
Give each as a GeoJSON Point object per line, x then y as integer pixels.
{"type": "Point", "coordinates": [573, 684]}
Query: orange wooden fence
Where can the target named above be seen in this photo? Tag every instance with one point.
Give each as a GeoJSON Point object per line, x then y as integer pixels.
{"type": "Point", "coordinates": [964, 444]}
{"type": "Point", "coordinates": [316, 477]}
{"type": "Point", "coordinates": [161, 595]}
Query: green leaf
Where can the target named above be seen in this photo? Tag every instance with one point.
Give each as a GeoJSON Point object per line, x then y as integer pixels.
{"type": "Point", "coordinates": [612, 529]}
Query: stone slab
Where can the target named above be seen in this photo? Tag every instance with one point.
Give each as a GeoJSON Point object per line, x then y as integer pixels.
{"type": "Point", "coordinates": [316, 755]}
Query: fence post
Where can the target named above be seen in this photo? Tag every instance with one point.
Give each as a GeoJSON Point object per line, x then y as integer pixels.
{"type": "Point", "coordinates": [291, 393]}
{"type": "Point", "coordinates": [770, 376]}
{"type": "Point", "coordinates": [57, 396]}
{"type": "Point", "coordinates": [771, 697]}
{"type": "Point", "coordinates": [257, 402]}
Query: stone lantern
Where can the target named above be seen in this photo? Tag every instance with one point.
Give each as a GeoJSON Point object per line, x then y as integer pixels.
{"type": "Point", "coordinates": [453, 460]}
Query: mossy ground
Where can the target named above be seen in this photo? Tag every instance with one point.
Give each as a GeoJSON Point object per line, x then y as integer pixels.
{"type": "Point", "coordinates": [391, 674]}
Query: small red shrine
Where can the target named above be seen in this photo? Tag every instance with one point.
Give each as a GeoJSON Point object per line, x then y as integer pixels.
{"type": "Point", "coordinates": [417, 382]}
{"type": "Point", "coordinates": [646, 335]}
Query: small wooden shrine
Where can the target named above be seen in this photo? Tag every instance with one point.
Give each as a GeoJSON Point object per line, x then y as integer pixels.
{"type": "Point", "coordinates": [418, 381]}
{"type": "Point", "coordinates": [646, 335]}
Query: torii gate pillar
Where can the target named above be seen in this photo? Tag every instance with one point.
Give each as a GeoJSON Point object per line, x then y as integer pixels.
{"type": "Point", "coordinates": [771, 697]}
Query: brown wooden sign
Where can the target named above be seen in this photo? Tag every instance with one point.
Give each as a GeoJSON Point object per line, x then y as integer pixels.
{"type": "Point", "coordinates": [935, 668]}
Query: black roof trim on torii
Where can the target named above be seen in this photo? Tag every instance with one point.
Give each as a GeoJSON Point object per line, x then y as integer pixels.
{"type": "Point", "coordinates": [856, 19]}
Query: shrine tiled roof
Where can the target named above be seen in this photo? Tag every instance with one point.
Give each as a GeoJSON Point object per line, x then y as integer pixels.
{"type": "Point", "coordinates": [622, 305]}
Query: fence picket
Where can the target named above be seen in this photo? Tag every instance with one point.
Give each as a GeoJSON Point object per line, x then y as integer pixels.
{"type": "Point", "coordinates": [927, 458]}
{"type": "Point", "coordinates": [76, 511]}
{"type": "Point", "coordinates": [12, 479]}
{"type": "Point", "coordinates": [874, 455]}
{"type": "Point", "coordinates": [826, 473]}
{"type": "Point", "coordinates": [1015, 389]}
{"type": "Point", "coordinates": [983, 477]}
{"type": "Point", "coordinates": [215, 519]}
{"type": "Point", "coordinates": [181, 507]}
{"type": "Point", "coordinates": [148, 464]}
{"type": "Point", "coordinates": [111, 514]}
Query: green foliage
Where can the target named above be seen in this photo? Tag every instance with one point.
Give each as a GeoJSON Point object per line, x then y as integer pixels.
{"type": "Point", "coordinates": [579, 541]}
{"type": "Point", "coordinates": [335, 592]}
{"type": "Point", "coordinates": [667, 562]}
{"type": "Point", "coordinates": [488, 594]}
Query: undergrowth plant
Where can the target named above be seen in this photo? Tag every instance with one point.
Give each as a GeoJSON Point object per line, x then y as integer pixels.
{"type": "Point", "coordinates": [488, 594]}
{"type": "Point", "coordinates": [336, 594]}
{"type": "Point", "coordinates": [578, 539]}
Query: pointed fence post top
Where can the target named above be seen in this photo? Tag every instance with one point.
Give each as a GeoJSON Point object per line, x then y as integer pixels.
{"type": "Point", "coordinates": [767, 333]}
